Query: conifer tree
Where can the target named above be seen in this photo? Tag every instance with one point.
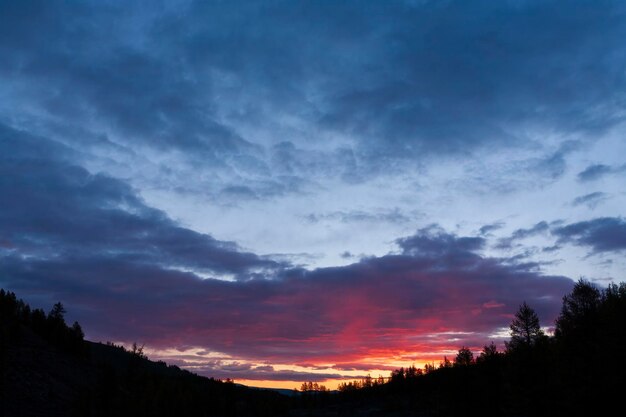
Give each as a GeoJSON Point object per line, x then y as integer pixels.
{"type": "Point", "coordinates": [525, 328]}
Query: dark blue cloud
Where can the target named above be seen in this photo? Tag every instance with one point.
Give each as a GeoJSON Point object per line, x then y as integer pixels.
{"type": "Point", "coordinates": [77, 69]}
{"type": "Point", "coordinates": [595, 172]}
{"type": "Point", "coordinates": [453, 72]}
{"type": "Point", "coordinates": [53, 209]}
{"type": "Point", "coordinates": [402, 80]}
{"type": "Point", "coordinates": [604, 234]}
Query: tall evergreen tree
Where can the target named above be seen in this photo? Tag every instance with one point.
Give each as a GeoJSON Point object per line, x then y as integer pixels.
{"type": "Point", "coordinates": [525, 328]}
{"type": "Point", "coordinates": [579, 310]}
{"type": "Point", "coordinates": [57, 314]}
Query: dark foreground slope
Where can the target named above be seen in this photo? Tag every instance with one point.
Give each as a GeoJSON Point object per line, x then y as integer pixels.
{"type": "Point", "coordinates": [47, 369]}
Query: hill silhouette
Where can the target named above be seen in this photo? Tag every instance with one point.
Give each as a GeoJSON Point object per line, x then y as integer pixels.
{"type": "Point", "coordinates": [47, 369]}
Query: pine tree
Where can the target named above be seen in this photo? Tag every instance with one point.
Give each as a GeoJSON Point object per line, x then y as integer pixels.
{"type": "Point", "coordinates": [525, 328]}
{"type": "Point", "coordinates": [57, 314]}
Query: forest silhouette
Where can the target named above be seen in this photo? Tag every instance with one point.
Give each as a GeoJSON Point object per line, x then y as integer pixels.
{"type": "Point", "coordinates": [47, 368]}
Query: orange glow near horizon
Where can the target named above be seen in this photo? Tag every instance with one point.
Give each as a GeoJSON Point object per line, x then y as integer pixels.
{"type": "Point", "coordinates": [333, 383]}
{"type": "Point", "coordinates": [376, 363]}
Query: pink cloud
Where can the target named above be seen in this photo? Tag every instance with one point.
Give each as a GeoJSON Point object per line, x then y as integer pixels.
{"type": "Point", "coordinates": [411, 305]}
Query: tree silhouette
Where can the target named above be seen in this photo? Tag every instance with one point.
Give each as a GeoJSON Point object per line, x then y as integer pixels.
{"type": "Point", "coordinates": [465, 357]}
{"type": "Point", "coordinates": [489, 353]}
{"type": "Point", "coordinates": [446, 363]}
{"type": "Point", "coordinates": [579, 309]}
{"type": "Point", "coordinates": [77, 331]}
{"type": "Point", "coordinates": [57, 314]}
{"type": "Point", "coordinates": [525, 328]}
{"type": "Point", "coordinates": [46, 368]}
{"type": "Point", "coordinates": [137, 351]}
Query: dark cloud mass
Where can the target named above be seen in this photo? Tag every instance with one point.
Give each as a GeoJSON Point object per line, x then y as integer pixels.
{"type": "Point", "coordinates": [434, 241]}
{"type": "Point", "coordinates": [400, 79]}
{"type": "Point", "coordinates": [386, 304]}
{"type": "Point", "coordinates": [601, 235]}
{"type": "Point", "coordinates": [53, 210]}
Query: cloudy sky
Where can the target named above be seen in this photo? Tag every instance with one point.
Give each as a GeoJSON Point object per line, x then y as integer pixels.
{"type": "Point", "coordinates": [282, 191]}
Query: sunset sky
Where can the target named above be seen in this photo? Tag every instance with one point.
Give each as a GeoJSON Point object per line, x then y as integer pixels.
{"type": "Point", "coordinates": [284, 191]}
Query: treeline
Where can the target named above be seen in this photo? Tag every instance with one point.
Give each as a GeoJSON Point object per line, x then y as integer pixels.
{"type": "Point", "coordinates": [578, 371]}
{"type": "Point", "coordinates": [367, 382]}
{"type": "Point", "coordinates": [16, 314]}
{"type": "Point", "coordinates": [310, 386]}
{"type": "Point", "coordinates": [47, 368]}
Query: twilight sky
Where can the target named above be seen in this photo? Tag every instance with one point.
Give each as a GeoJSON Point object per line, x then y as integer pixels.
{"type": "Point", "coordinates": [282, 191]}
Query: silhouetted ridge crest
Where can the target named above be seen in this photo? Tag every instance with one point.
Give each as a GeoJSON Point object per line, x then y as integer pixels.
{"type": "Point", "coordinates": [48, 369]}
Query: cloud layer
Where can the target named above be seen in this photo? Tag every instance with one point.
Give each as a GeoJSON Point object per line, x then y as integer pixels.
{"type": "Point", "coordinates": [132, 273]}
{"type": "Point", "coordinates": [395, 80]}
{"type": "Point", "coordinates": [173, 171]}
{"type": "Point", "coordinates": [55, 210]}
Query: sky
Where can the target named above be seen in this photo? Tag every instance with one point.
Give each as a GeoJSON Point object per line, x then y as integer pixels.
{"type": "Point", "coordinates": [284, 191]}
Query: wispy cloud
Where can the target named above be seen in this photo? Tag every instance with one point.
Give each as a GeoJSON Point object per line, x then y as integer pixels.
{"type": "Point", "coordinates": [507, 242]}
{"type": "Point", "coordinates": [595, 172]}
{"type": "Point", "coordinates": [591, 200]}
